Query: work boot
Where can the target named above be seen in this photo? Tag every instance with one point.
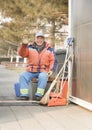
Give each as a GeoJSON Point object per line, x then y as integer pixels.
{"type": "Point", "coordinates": [24, 98]}
{"type": "Point", "coordinates": [37, 98]}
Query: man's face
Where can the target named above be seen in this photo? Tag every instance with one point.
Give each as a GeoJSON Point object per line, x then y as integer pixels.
{"type": "Point", "coordinates": [39, 40]}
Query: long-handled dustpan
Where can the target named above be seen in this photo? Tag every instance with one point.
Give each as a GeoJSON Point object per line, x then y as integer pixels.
{"type": "Point", "coordinates": [61, 97]}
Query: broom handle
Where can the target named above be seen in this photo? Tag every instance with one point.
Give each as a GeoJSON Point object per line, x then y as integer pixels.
{"type": "Point", "coordinates": [63, 67]}
{"type": "Point", "coordinates": [55, 80]}
{"type": "Point", "coordinates": [63, 76]}
{"type": "Point", "coordinates": [61, 70]}
{"type": "Point", "coordinates": [66, 60]}
{"type": "Point", "coordinates": [62, 81]}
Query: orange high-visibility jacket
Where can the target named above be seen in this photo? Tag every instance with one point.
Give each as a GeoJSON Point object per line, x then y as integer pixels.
{"type": "Point", "coordinates": [38, 62]}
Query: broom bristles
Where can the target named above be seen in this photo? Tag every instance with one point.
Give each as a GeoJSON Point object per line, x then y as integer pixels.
{"type": "Point", "coordinates": [46, 97]}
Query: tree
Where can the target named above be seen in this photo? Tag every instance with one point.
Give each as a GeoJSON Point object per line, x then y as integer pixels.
{"type": "Point", "coordinates": [28, 16]}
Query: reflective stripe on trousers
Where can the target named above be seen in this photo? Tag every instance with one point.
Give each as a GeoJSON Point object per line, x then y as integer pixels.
{"type": "Point", "coordinates": [24, 92]}
{"type": "Point", "coordinates": [25, 78]}
{"type": "Point", "coordinates": [40, 91]}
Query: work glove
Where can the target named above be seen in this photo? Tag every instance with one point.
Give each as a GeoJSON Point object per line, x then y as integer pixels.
{"type": "Point", "coordinates": [25, 39]}
{"type": "Point", "coordinates": [49, 73]}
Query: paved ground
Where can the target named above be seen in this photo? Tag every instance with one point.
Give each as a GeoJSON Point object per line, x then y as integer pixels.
{"type": "Point", "coordinates": [7, 80]}
{"type": "Point", "coordinates": [36, 117]}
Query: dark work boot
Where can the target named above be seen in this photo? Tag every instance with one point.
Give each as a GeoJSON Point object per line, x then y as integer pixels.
{"type": "Point", "coordinates": [24, 98]}
{"type": "Point", "coordinates": [37, 98]}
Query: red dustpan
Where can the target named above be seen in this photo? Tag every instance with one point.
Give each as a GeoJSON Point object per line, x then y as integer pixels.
{"type": "Point", "coordinates": [59, 99]}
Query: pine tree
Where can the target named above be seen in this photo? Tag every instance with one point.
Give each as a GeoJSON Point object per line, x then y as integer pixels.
{"type": "Point", "coordinates": [28, 16]}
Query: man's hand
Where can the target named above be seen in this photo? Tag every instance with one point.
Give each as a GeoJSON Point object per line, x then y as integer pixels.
{"type": "Point", "coordinates": [25, 39]}
{"type": "Point", "coordinates": [50, 73]}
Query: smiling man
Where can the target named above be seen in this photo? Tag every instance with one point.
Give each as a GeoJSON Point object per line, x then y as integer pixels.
{"type": "Point", "coordinates": [41, 63]}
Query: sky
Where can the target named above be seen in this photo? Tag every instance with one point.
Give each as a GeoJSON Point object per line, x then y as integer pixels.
{"type": "Point", "coordinates": [3, 20]}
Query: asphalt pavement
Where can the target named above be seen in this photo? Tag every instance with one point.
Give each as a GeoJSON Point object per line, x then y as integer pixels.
{"type": "Point", "coordinates": [37, 117]}
{"type": "Point", "coordinates": [7, 80]}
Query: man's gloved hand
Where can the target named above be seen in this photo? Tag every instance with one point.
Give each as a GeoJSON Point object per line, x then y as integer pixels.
{"type": "Point", "coordinates": [25, 39]}
{"type": "Point", "coordinates": [50, 73]}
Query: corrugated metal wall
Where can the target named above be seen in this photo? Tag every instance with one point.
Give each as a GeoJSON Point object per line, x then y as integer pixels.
{"type": "Point", "coordinates": [81, 30]}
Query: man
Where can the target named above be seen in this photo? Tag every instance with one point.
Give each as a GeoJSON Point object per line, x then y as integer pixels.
{"type": "Point", "coordinates": [41, 63]}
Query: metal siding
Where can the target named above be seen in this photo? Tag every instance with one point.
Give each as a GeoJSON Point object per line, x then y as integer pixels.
{"type": "Point", "coordinates": [82, 32]}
